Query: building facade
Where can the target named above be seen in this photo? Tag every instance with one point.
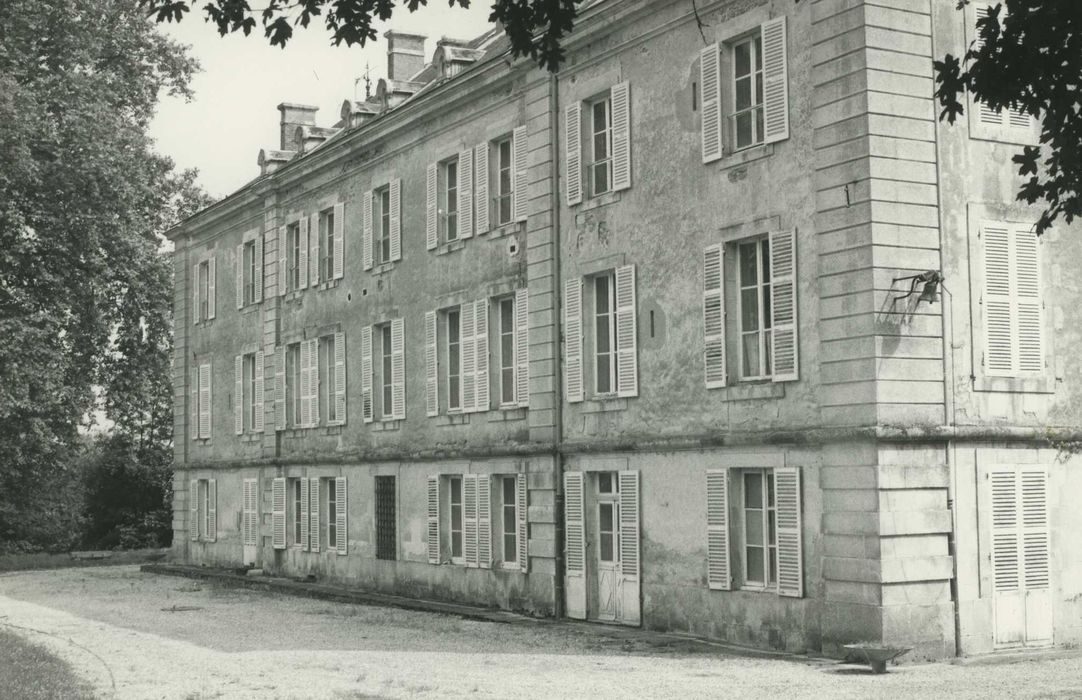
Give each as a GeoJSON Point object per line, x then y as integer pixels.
{"type": "Point", "coordinates": [716, 330]}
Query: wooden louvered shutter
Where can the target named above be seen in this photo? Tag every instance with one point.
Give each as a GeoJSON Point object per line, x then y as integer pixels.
{"type": "Point", "coordinates": [313, 382]}
{"type": "Point", "coordinates": [193, 509]}
{"type": "Point", "coordinates": [212, 296]}
{"type": "Point", "coordinates": [1028, 301]}
{"type": "Point", "coordinates": [305, 520]}
{"type": "Point", "coordinates": [522, 531]}
{"type": "Point", "coordinates": [469, 356]}
{"type": "Point", "coordinates": [522, 348]}
{"type": "Point", "coordinates": [193, 400]}
{"type": "Point", "coordinates": [313, 255]}
{"type": "Point", "coordinates": [465, 193]}
{"type": "Point", "coordinates": [257, 419]}
{"type": "Point", "coordinates": [783, 306]}
{"type": "Point", "coordinates": [238, 278]}
{"type": "Point", "coordinates": [278, 513]}
{"type": "Point", "coordinates": [790, 549]}
{"type": "Point", "coordinates": [341, 534]}
{"type": "Point", "coordinates": [302, 257]}
{"type": "Point", "coordinates": [367, 412]}
{"type": "Point", "coordinates": [338, 260]}
{"type": "Point", "coordinates": [621, 136]}
{"type": "Point", "coordinates": [366, 228]}
{"type": "Point", "coordinates": [997, 301]}
{"type": "Point", "coordinates": [627, 353]}
{"type": "Point", "coordinates": [212, 510]}
{"type": "Point", "coordinates": [433, 520]}
{"type": "Point", "coordinates": [573, 372]}
{"type": "Point", "coordinates": [520, 154]}
{"type": "Point", "coordinates": [340, 378]}
{"type": "Point", "coordinates": [1006, 561]}
{"type": "Point", "coordinates": [775, 81]}
{"type": "Point", "coordinates": [283, 269]}
{"type": "Point", "coordinates": [257, 276]}
{"type": "Point", "coordinates": [573, 153]}
{"type": "Point", "coordinates": [575, 541]}
{"type": "Point", "coordinates": [630, 547]}
{"type": "Point", "coordinates": [398, 370]}
{"type": "Point", "coordinates": [313, 514]}
{"type": "Point", "coordinates": [197, 314]}
{"type": "Point", "coordinates": [245, 510]}
{"type": "Point", "coordinates": [396, 219]}
{"type": "Point", "coordinates": [306, 406]}
{"type": "Point", "coordinates": [469, 518]}
{"type": "Point", "coordinates": [204, 401]}
{"type": "Point", "coordinates": [718, 566]}
{"type": "Point", "coordinates": [480, 189]}
{"type": "Point", "coordinates": [484, 521]}
{"type": "Point", "coordinates": [987, 116]}
{"type": "Point", "coordinates": [431, 209]}
{"type": "Point", "coordinates": [1036, 550]}
{"type": "Point", "coordinates": [432, 385]}
{"type": "Point", "coordinates": [710, 88]}
{"type": "Point", "coordinates": [238, 394]}
{"type": "Point", "coordinates": [480, 329]}
{"type": "Point", "coordinates": [280, 387]}
{"type": "Point", "coordinates": [714, 316]}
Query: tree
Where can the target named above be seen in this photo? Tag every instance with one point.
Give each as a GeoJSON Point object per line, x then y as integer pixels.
{"type": "Point", "coordinates": [1029, 59]}
{"type": "Point", "coordinates": [83, 201]}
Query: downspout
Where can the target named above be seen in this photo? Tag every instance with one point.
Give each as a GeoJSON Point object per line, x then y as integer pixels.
{"type": "Point", "coordinates": [558, 436]}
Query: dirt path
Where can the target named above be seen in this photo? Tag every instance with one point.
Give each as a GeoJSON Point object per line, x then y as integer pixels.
{"type": "Point", "coordinates": [218, 642]}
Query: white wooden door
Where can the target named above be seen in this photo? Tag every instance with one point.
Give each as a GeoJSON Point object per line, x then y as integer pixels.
{"type": "Point", "coordinates": [607, 508]}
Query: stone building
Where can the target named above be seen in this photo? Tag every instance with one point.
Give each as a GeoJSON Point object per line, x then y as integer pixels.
{"type": "Point", "coordinates": [716, 330]}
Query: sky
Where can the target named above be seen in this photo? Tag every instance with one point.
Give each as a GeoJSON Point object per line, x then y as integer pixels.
{"type": "Point", "coordinates": [244, 79]}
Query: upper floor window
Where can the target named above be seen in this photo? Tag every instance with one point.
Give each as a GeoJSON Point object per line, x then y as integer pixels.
{"type": "Point", "coordinates": [293, 257]}
{"type": "Point", "coordinates": [382, 221]}
{"type": "Point", "coordinates": [248, 402]}
{"type": "Point", "coordinates": [250, 266]}
{"type": "Point", "coordinates": [386, 372]}
{"type": "Point", "coordinates": [507, 364]}
{"type": "Point", "coordinates": [293, 384]}
{"type": "Point", "coordinates": [326, 244]}
{"type": "Point", "coordinates": [448, 204]}
{"type": "Point", "coordinates": [600, 153]}
{"type": "Point", "coordinates": [200, 401]}
{"type": "Point", "coordinates": [1011, 301]}
{"type": "Point", "coordinates": [747, 116]}
{"type": "Point", "coordinates": [605, 359]}
{"type": "Point", "coordinates": [602, 334]}
{"type": "Point", "coordinates": [598, 144]}
{"type": "Point", "coordinates": [383, 380]}
{"type": "Point", "coordinates": [453, 323]}
{"type": "Point", "coordinates": [754, 309]}
{"type": "Point", "coordinates": [204, 284]}
{"type": "Point", "coordinates": [505, 182]}
{"type": "Point", "coordinates": [325, 372]}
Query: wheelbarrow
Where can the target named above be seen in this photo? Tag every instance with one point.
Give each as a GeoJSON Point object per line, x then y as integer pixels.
{"type": "Point", "coordinates": [875, 655]}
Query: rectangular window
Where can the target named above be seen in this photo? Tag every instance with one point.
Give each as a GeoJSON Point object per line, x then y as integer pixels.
{"type": "Point", "coordinates": [386, 544]}
{"type": "Point", "coordinates": [606, 516]}
{"type": "Point", "coordinates": [747, 116]}
{"type": "Point", "coordinates": [295, 504]}
{"type": "Point", "coordinates": [331, 515]}
{"type": "Point", "coordinates": [599, 168]}
{"type": "Point", "coordinates": [381, 224]}
{"type": "Point", "coordinates": [754, 309]}
{"type": "Point", "coordinates": [605, 362]}
{"type": "Point", "coordinates": [204, 291]}
{"type": "Point", "coordinates": [504, 182]}
{"type": "Point", "coordinates": [293, 384]}
{"type": "Point", "coordinates": [293, 257]}
{"type": "Point", "coordinates": [326, 378]}
{"type": "Point", "coordinates": [507, 350]}
{"type": "Point", "coordinates": [509, 513]}
{"type": "Point", "coordinates": [456, 519]}
{"type": "Point", "coordinates": [204, 508]}
{"type": "Point", "coordinates": [248, 388]}
{"type": "Point", "coordinates": [449, 199]}
{"type": "Point", "coordinates": [758, 519]}
{"type": "Point", "coordinates": [250, 272]}
{"type": "Point", "coordinates": [326, 244]}
{"type": "Point", "coordinates": [454, 359]}
{"type": "Point", "coordinates": [386, 383]}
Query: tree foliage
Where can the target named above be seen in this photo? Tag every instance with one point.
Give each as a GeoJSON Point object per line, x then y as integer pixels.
{"type": "Point", "coordinates": [1029, 59]}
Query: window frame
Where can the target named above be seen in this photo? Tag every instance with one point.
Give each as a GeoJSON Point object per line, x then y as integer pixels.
{"type": "Point", "coordinates": [203, 283]}
{"type": "Point", "coordinates": [453, 369]}
{"type": "Point", "coordinates": [204, 508]}
{"type": "Point", "coordinates": [506, 366]}
{"type": "Point", "coordinates": [293, 486]}
{"type": "Point", "coordinates": [448, 217]}
{"type": "Point", "coordinates": [325, 376]}
{"type": "Point", "coordinates": [248, 269]}
{"type": "Point", "coordinates": [452, 481]}
{"type": "Point", "coordinates": [595, 332]}
{"type": "Point", "coordinates": [293, 385]}
{"type": "Point", "coordinates": [502, 197]}
{"type": "Point", "coordinates": [386, 379]}
{"type": "Point", "coordinates": [755, 75]}
{"type": "Point", "coordinates": [509, 521]}
{"type": "Point", "coordinates": [592, 133]}
{"type": "Point", "coordinates": [325, 232]}
{"type": "Point", "coordinates": [248, 387]}
{"type": "Point", "coordinates": [763, 289]}
{"type": "Point", "coordinates": [293, 256]}
{"type": "Point", "coordinates": [769, 545]}
{"type": "Point", "coordinates": [329, 514]}
{"type": "Point", "coordinates": [382, 537]}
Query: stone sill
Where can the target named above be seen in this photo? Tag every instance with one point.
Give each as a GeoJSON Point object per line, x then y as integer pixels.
{"type": "Point", "coordinates": [386, 425]}
{"type": "Point", "coordinates": [249, 308]}
{"type": "Point", "coordinates": [296, 432]}
{"type": "Point", "coordinates": [749, 392]}
{"type": "Point", "coordinates": [203, 441]}
{"type": "Point", "coordinates": [446, 419]}
{"type": "Point", "coordinates": [1015, 385]}
{"type": "Point", "coordinates": [604, 404]}
{"type": "Point", "coordinates": [602, 200]}
{"type": "Point", "coordinates": [331, 284]}
{"type": "Point", "coordinates": [748, 155]}
{"type": "Point", "coordinates": [450, 247]}
{"type": "Point", "coordinates": [382, 268]}
{"type": "Point", "coordinates": [507, 229]}
{"type": "Point", "coordinates": [203, 324]}
{"type": "Point", "coordinates": [506, 414]}
{"type": "Point", "coordinates": [251, 437]}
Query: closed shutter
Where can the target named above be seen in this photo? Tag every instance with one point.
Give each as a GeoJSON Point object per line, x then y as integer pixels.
{"type": "Point", "coordinates": [211, 286]}
{"type": "Point", "coordinates": [630, 593]}
{"type": "Point", "coordinates": [484, 521]}
{"type": "Point", "coordinates": [396, 219]}
{"type": "Point", "coordinates": [522, 348]}
{"type": "Point", "coordinates": [341, 535]}
{"type": "Point", "coordinates": [718, 567]}
{"type": "Point", "coordinates": [1013, 307]}
{"type": "Point", "coordinates": [986, 115]}
{"type": "Point", "coordinates": [480, 329]}
{"type": "Point", "coordinates": [193, 509]}
{"type": "Point", "coordinates": [573, 340]}
{"type": "Point", "coordinates": [367, 412]}
{"type": "Point", "coordinates": [278, 513]}
{"type": "Point", "coordinates": [338, 261]}
{"type": "Point", "coordinates": [306, 406]}
{"type": "Point", "coordinates": [305, 520]}
{"type": "Point", "coordinates": [1006, 562]}
{"type": "Point", "coordinates": [469, 357]}
{"type": "Point", "coordinates": [480, 189]}
{"type": "Point", "coordinates": [340, 378]}
{"type": "Point", "coordinates": [239, 275]}
{"type": "Point", "coordinates": [465, 193]}
{"type": "Point", "coordinates": [313, 256]}
{"type": "Point", "coordinates": [573, 152]}
{"type": "Point", "coordinates": [302, 258]}
{"type": "Point", "coordinates": [238, 394]}
{"type": "Point", "coordinates": [710, 87]}
{"type": "Point", "coordinates": [280, 387]}
{"type": "Point", "coordinates": [575, 542]}
{"type": "Point", "coordinates": [1028, 302]}
{"type": "Point", "coordinates": [313, 514]}
{"type": "Point", "coordinates": [282, 268]}
{"type": "Point", "coordinates": [1020, 530]}
{"type": "Point", "coordinates": [257, 424]}
{"type": "Point", "coordinates": [257, 281]}
{"type": "Point", "coordinates": [204, 401]}
{"type": "Point", "coordinates": [522, 532]}
{"type": "Point", "coordinates": [366, 228]}
{"type": "Point", "coordinates": [212, 510]}
{"type": "Point", "coordinates": [469, 518]}
{"type": "Point", "coordinates": [433, 520]}
{"type": "Point", "coordinates": [627, 354]}
{"type": "Point", "coordinates": [313, 382]}
{"type": "Point", "coordinates": [193, 401]}
{"type": "Point", "coordinates": [775, 81]}
{"type": "Point", "coordinates": [431, 229]}
{"type": "Point", "coordinates": [790, 549]}
{"type": "Point", "coordinates": [432, 401]}
{"type": "Point", "coordinates": [520, 153]}
{"type": "Point", "coordinates": [714, 316]}
{"type": "Point", "coordinates": [621, 136]}
{"type": "Point", "coordinates": [783, 306]}
{"type": "Point", "coordinates": [398, 370]}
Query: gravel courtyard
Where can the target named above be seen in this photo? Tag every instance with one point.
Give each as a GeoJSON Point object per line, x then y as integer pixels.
{"type": "Point", "coordinates": [136, 635]}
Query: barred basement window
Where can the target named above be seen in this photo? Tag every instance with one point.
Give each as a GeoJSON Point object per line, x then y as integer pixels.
{"type": "Point", "coordinates": [386, 543]}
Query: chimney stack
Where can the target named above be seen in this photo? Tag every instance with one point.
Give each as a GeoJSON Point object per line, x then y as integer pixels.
{"type": "Point", "coordinates": [405, 54]}
{"type": "Point", "coordinates": [294, 115]}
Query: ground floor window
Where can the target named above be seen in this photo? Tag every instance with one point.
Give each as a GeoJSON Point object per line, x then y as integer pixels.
{"type": "Point", "coordinates": [758, 517]}
{"type": "Point", "coordinates": [456, 519]}
{"type": "Point", "coordinates": [509, 516]}
{"type": "Point", "coordinates": [386, 544]}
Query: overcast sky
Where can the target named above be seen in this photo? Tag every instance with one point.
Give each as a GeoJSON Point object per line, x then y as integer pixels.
{"type": "Point", "coordinates": [234, 112]}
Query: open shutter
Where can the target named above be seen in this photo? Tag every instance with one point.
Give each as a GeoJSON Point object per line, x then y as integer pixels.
{"type": "Point", "coordinates": [520, 153]}
{"type": "Point", "coordinates": [305, 520]}
{"type": "Point", "coordinates": [710, 89]}
{"type": "Point", "coordinates": [480, 315]}
{"type": "Point", "coordinates": [1028, 302]}
{"type": "Point", "coordinates": [431, 229]}
{"type": "Point", "coordinates": [245, 510]}
{"type": "Point", "coordinates": [790, 550]}
{"type": "Point", "coordinates": [194, 403]}
{"type": "Point", "coordinates": [338, 261]}
{"type": "Point", "coordinates": [340, 378]}
{"type": "Point", "coordinates": [775, 81]}
{"type": "Point", "coordinates": [621, 136]}
{"type": "Point", "coordinates": [465, 193]}
{"type": "Point", "coordinates": [239, 275]}
{"type": "Point", "coordinates": [469, 356]}
{"type": "Point", "coordinates": [257, 422]}
{"type": "Point", "coordinates": [433, 520]}
{"type": "Point", "coordinates": [480, 188]}
{"type": "Point", "coordinates": [212, 275]}
{"type": "Point", "coordinates": [278, 513]}
{"type": "Point", "coordinates": [366, 228]}
{"type": "Point", "coordinates": [783, 306]}
{"type": "Point", "coordinates": [204, 401]}
{"type": "Point", "coordinates": [997, 300]}
{"type": "Point", "coordinates": [522, 348]}
{"type": "Point", "coordinates": [367, 412]}
{"type": "Point", "coordinates": [306, 406]}
{"type": "Point", "coordinates": [212, 510]}
{"type": "Point", "coordinates": [714, 317]}
{"type": "Point", "coordinates": [575, 538]}
{"type": "Point", "coordinates": [280, 387]}
{"type": "Point", "coordinates": [627, 353]}
{"type": "Point", "coordinates": [302, 257]}
{"type": "Point", "coordinates": [484, 521]}
{"type": "Point", "coordinates": [398, 370]}
{"type": "Point", "coordinates": [313, 514]}
{"type": "Point", "coordinates": [522, 528]}
{"type": "Point", "coordinates": [630, 547]}
{"type": "Point", "coordinates": [341, 535]}
{"type": "Point", "coordinates": [432, 400]}
{"type": "Point", "coordinates": [573, 340]}
{"type": "Point", "coordinates": [193, 509]}
{"type": "Point", "coordinates": [313, 382]}
{"type": "Point", "coordinates": [313, 256]}
{"type": "Point", "coordinates": [396, 219]}
{"type": "Point", "coordinates": [573, 152]}
{"type": "Point", "coordinates": [718, 566]}
{"type": "Point", "coordinates": [282, 268]}
{"type": "Point", "coordinates": [238, 394]}
{"type": "Point", "coordinates": [257, 276]}
{"type": "Point", "coordinates": [469, 518]}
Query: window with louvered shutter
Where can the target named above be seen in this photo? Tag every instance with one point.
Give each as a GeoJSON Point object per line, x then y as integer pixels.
{"type": "Point", "coordinates": [630, 561]}
{"type": "Point", "coordinates": [432, 404]}
{"type": "Point", "coordinates": [193, 509]}
{"type": "Point", "coordinates": [710, 88]}
{"type": "Point", "coordinates": [484, 521]}
{"type": "Point", "coordinates": [366, 229]}
{"type": "Point", "coordinates": [465, 193]}
{"type": "Point", "coordinates": [480, 340]}
{"type": "Point", "coordinates": [212, 296]}
{"type": "Point", "coordinates": [481, 206]}
{"type": "Point", "coordinates": [1012, 307]}
{"type": "Point", "coordinates": [621, 136]}
{"type": "Point", "coordinates": [313, 515]}
{"type": "Point", "coordinates": [398, 369]}
{"type": "Point", "coordinates": [367, 407]}
{"type": "Point", "coordinates": [519, 147]}
{"type": "Point", "coordinates": [433, 511]}
{"type": "Point", "coordinates": [283, 261]}
{"type": "Point", "coordinates": [340, 378]}
{"type": "Point", "coordinates": [714, 317]}
{"type": "Point", "coordinates": [338, 258]}
{"type": "Point", "coordinates": [316, 247]}
{"type": "Point", "coordinates": [431, 208]}
{"type": "Point", "coordinates": [278, 513]}
{"type": "Point", "coordinates": [305, 376]}
{"type": "Point", "coordinates": [522, 534]}
{"type": "Point", "coordinates": [718, 566]}
{"type": "Point", "coordinates": [775, 81]}
{"type": "Point", "coordinates": [258, 388]}
{"type": "Point", "coordinates": [996, 119]}
{"type": "Point", "coordinates": [204, 401]}
{"type": "Point", "coordinates": [212, 510]}
{"type": "Point", "coordinates": [238, 394]}
{"type": "Point", "coordinates": [193, 401]}
{"type": "Point", "coordinates": [341, 531]}
{"type": "Point", "coordinates": [302, 254]}
{"type": "Point", "coordinates": [280, 387]}
{"type": "Point", "coordinates": [573, 340]}
{"type": "Point", "coordinates": [790, 548]}
{"type": "Point", "coordinates": [783, 306]}
{"type": "Point", "coordinates": [573, 153]}
{"type": "Point", "coordinates": [469, 489]}
{"type": "Point", "coordinates": [395, 222]}
{"type": "Point", "coordinates": [305, 514]}
{"type": "Point", "coordinates": [575, 545]}
{"type": "Point", "coordinates": [627, 370]}
{"type": "Point", "coordinates": [522, 348]}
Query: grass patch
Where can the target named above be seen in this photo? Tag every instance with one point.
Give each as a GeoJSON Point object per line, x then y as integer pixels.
{"type": "Point", "coordinates": [34, 562]}
{"type": "Point", "coordinates": [31, 672]}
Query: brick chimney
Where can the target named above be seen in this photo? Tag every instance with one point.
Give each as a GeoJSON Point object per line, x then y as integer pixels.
{"type": "Point", "coordinates": [294, 115]}
{"type": "Point", "coordinates": [405, 54]}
